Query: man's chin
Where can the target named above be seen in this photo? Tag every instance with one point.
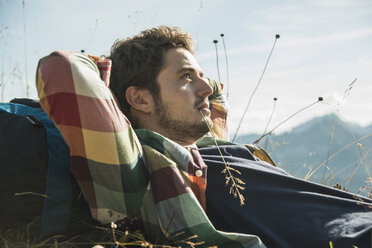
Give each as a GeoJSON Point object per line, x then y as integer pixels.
{"type": "Point", "coordinates": [193, 127]}
{"type": "Point", "coordinates": [196, 131]}
{"type": "Point", "coordinates": [208, 121]}
{"type": "Point", "coordinates": [206, 126]}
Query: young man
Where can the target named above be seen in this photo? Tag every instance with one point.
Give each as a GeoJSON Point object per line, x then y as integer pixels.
{"type": "Point", "coordinates": [161, 180]}
{"type": "Point", "coordinates": [139, 175]}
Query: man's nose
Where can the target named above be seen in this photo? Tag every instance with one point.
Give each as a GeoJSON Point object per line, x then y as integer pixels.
{"type": "Point", "coordinates": [205, 89]}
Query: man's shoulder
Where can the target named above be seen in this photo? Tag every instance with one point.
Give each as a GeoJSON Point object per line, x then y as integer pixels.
{"type": "Point", "coordinates": [255, 150]}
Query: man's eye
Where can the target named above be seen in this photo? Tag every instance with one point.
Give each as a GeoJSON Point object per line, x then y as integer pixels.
{"type": "Point", "coordinates": [186, 75]}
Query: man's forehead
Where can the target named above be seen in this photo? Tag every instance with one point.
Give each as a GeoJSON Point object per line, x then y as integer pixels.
{"type": "Point", "coordinates": [180, 58]}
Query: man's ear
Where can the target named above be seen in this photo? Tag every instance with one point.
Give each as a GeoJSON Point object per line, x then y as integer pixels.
{"type": "Point", "coordinates": [139, 99]}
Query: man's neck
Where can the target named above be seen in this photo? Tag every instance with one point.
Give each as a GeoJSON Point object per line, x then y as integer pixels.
{"type": "Point", "coordinates": [183, 142]}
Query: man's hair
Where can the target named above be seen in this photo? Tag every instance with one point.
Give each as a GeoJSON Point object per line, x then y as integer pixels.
{"type": "Point", "coordinates": [137, 61]}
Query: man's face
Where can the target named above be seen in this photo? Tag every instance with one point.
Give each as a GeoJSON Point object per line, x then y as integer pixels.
{"type": "Point", "coordinates": [183, 97]}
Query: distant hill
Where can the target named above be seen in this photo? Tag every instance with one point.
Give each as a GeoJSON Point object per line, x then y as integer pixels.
{"type": "Point", "coordinates": [303, 149]}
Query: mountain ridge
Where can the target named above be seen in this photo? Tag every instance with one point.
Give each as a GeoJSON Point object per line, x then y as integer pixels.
{"type": "Point", "coordinates": [304, 150]}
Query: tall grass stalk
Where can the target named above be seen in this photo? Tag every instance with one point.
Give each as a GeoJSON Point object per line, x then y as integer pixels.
{"type": "Point", "coordinates": [255, 89]}
{"type": "Point", "coordinates": [362, 153]}
{"type": "Point", "coordinates": [228, 171]}
{"type": "Point", "coordinates": [25, 51]}
{"type": "Point", "coordinates": [218, 67]}
{"type": "Point", "coordinates": [361, 149]}
{"type": "Point", "coordinates": [227, 68]}
{"type": "Point", "coordinates": [358, 165]}
{"type": "Point", "coordinates": [267, 124]}
{"type": "Point", "coordinates": [348, 167]}
{"type": "Point", "coordinates": [367, 186]}
{"type": "Point", "coordinates": [311, 171]}
{"type": "Point", "coordinates": [281, 123]}
{"type": "Point", "coordinates": [63, 206]}
{"type": "Point", "coordinates": [329, 150]}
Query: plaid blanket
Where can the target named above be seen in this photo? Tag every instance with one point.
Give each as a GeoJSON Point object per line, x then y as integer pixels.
{"type": "Point", "coordinates": [126, 173]}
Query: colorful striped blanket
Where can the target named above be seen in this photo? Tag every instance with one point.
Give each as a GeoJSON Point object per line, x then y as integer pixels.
{"type": "Point", "coordinates": [124, 172]}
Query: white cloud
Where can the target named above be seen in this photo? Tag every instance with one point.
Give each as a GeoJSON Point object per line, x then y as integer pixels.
{"type": "Point", "coordinates": [333, 99]}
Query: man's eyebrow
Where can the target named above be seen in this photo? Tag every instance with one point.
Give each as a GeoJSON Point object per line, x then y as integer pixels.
{"type": "Point", "coordinates": [188, 69]}
{"type": "Point", "coordinates": [185, 69]}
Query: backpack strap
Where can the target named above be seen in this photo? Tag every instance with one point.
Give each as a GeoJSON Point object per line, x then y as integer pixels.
{"type": "Point", "coordinates": [26, 101]}
{"type": "Point", "coordinates": [57, 205]}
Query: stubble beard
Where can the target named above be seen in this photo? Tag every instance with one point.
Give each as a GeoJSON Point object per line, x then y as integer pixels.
{"type": "Point", "coordinates": [179, 129]}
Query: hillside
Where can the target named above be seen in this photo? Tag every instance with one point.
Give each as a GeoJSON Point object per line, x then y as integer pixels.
{"type": "Point", "coordinates": [302, 151]}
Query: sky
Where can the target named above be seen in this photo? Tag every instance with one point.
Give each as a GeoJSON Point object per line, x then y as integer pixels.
{"type": "Point", "coordinates": [324, 46]}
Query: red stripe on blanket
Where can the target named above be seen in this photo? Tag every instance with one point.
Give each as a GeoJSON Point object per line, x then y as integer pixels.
{"type": "Point", "coordinates": [167, 183]}
{"type": "Point", "coordinates": [105, 113]}
{"type": "Point", "coordinates": [62, 102]}
{"type": "Point", "coordinates": [56, 68]}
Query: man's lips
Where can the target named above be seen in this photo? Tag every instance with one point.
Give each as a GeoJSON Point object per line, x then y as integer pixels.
{"type": "Point", "coordinates": [204, 106]}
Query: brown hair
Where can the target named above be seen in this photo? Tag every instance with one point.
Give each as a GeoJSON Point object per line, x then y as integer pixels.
{"type": "Point", "coordinates": [137, 61]}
